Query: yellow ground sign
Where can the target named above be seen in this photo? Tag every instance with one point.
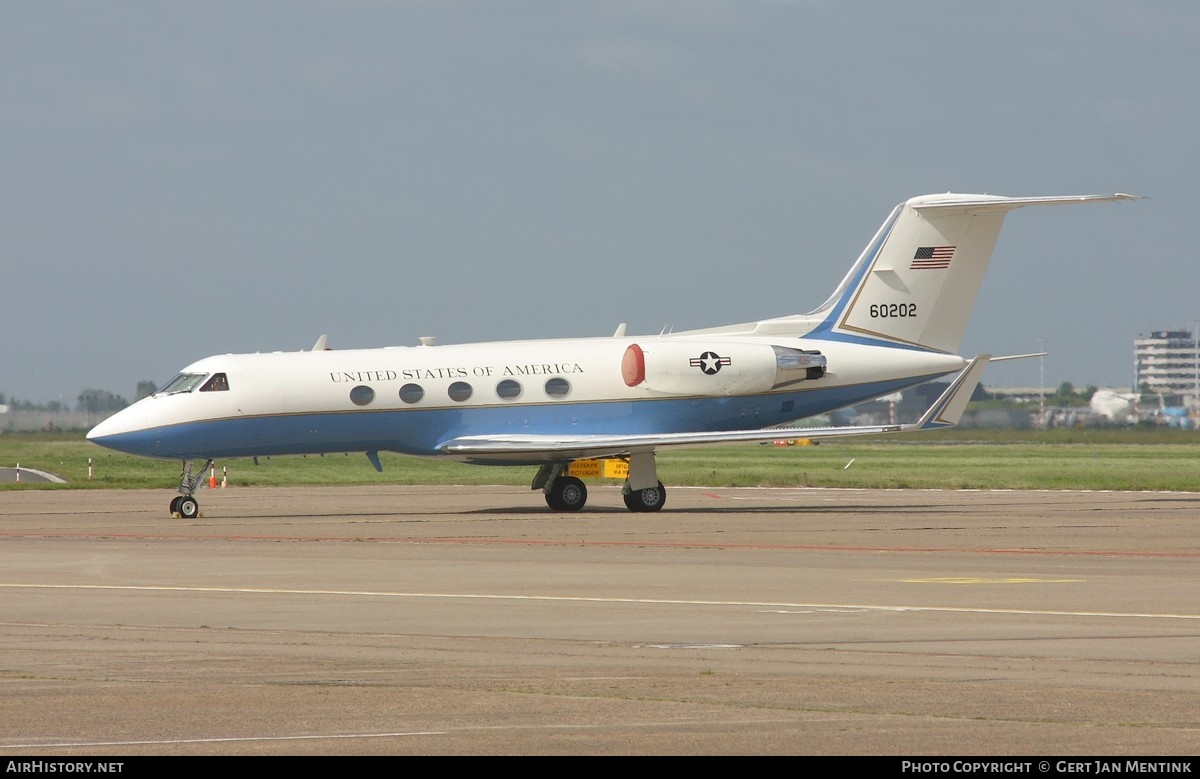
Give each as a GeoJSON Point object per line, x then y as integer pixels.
{"type": "Point", "coordinates": [597, 469]}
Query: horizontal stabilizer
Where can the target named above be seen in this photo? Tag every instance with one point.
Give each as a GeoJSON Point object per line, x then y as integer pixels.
{"type": "Point", "coordinates": [1018, 356]}
{"type": "Point", "coordinates": [1006, 204]}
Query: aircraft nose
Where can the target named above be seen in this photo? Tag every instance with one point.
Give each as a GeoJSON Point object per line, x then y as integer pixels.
{"type": "Point", "coordinates": [105, 428]}
{"type": "Point", "coordinates": [113, 432]}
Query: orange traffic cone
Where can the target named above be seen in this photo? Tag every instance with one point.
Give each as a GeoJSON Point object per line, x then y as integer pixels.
{"type": "Point", "coordinates": [212, 477]}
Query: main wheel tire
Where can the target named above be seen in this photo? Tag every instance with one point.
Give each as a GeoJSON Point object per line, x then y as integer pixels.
{"type": "Point", "coordinates": [567, 493]}
{"type": "Point", "coordinates": [649, 499]}
{"type": "Point", "coordinates": [189, 507]}
{"type": "Point", "coordinates": [175, 505]}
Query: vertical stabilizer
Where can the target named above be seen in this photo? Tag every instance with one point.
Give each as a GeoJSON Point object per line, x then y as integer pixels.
{"type": "Point", "coordinates": [917, 282]}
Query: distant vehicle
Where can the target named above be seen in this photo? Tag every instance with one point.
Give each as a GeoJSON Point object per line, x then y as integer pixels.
{"type": "Point", "coordinates": [895, 321]}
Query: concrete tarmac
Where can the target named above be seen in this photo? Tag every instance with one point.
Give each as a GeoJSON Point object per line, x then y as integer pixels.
{"type": "Point", "coordinates": [473, 621]}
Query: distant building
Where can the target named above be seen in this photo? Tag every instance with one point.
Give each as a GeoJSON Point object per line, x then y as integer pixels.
{"type": "Point", "coordinates": [1168, 364]}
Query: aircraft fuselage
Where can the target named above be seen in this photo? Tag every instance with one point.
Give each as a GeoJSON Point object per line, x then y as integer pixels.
{"type": "Point", "coordinates": [413, 399]}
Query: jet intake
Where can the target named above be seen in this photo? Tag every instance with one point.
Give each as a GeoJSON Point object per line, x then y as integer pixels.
{"type": "Point", "coordinates": [717, 368]}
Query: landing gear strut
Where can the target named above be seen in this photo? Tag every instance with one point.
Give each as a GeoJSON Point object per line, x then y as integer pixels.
{"type": "Point", "coordinates": [643, 491]}
{"type": "Point", "coordinates": [185, 505]}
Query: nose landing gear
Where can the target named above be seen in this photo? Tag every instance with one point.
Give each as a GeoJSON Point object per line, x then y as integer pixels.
{"type": "Point", "coordinates": [185, 505]}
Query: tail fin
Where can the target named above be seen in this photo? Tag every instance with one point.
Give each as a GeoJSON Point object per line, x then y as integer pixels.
{"type": "Point", "coordinates": [917, 281]}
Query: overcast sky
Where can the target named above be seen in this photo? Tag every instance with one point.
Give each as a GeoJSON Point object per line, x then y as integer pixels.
{"type": "Point", "coordinates": [180, 179]}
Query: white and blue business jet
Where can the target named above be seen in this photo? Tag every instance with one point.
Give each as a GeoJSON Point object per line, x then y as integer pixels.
{"type": "Point", "coordinates": [894, 321]}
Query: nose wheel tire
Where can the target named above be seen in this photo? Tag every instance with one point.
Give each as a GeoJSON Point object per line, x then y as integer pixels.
{"type": "Point", "coordinates": [185, 507]}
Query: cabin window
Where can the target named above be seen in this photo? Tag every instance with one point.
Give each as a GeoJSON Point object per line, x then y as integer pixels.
{"type": "Point", "coordinates": [412, 393]}
{"type": "Point", "coordinates": [362, 395]}
{"type": "Point", "coordinates": [218, 383]}
{"type": "Point", "coordinates": [508, 389]}
{"type": "Point", "coordinates": [557, 387]}
{"type": "Point", "coordinates": [184, 382]}
{"type": "Point", "coordinates": [459, 391]}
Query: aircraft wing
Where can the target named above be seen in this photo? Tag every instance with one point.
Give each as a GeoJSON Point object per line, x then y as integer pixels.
{"type": "Point", "coordinates": [946, 411]}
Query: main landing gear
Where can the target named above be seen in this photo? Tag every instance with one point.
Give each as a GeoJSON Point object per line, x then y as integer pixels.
{"type": "Point", "coordinates": [185, 505]}
{"type": "Point", "coordinates": [649, 499]}
{"type": "Point", "coordinates": [568, 493]}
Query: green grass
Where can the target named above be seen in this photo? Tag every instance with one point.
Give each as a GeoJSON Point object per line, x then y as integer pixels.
{"type": "Point", "coordinates": [1133, 459]}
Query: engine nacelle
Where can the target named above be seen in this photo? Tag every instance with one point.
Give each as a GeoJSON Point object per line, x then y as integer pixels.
{"type": "Point", "coordinates": [717, 367]}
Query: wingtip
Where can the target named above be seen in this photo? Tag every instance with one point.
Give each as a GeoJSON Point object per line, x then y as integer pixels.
{"type": "Point", "coordinates": [948, 409]}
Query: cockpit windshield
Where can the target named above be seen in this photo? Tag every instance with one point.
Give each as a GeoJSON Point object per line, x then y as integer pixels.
{"type": "Point", "coordinates": [184, 382]}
